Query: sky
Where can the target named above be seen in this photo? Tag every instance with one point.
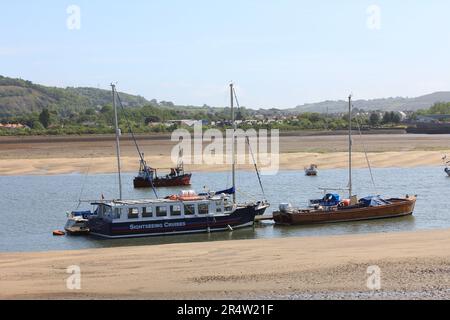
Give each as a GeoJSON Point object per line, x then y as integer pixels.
{"type": "Point", "coordinates": [279, 53]}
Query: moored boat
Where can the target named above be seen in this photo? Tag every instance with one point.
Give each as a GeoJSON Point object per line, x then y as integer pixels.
{"type": "Point", "coordinates": [175, 215]}
{"type": "Point", "coordinates": [77, 222]}
{"type": "Point", "coordinates": [369, 208]}
{"type": "Point", "coordinates": [148, 177]}
{"type": "Point", "coordinates": [312, 170]}
{"type": "Point", "coordinates": [331, 209]}
{"type": "Point", "coordinates": [446, 164]}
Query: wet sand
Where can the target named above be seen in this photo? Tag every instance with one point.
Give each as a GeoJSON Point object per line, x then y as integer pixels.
{"type": "Point", "coordinates": [65, 155]}
{"type": "Point", "coordinates": [413, 266]}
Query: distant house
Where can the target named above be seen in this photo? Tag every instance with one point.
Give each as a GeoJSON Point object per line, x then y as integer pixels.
{"type": "Point", "coordinates": [89, 124]}
{"type": "Point", "coordinates": [157, 124]}
{"type": "Point", "coordinates": [188, 122]}
{"type": "Point", "coordinates": [13, 126]}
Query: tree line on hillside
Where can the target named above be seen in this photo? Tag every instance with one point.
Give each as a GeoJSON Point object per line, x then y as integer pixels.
{"type": "Point", "coordinates": [440, 108]}
{"type": "Point", "coordinates": [151, 118]}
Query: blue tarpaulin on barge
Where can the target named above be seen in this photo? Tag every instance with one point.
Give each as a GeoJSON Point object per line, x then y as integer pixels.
{"type": "Point", "coordinates": [373, 201]}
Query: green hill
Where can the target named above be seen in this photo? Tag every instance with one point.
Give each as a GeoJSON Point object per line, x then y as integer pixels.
{"type": "Point", "coordinates": [19, 97]}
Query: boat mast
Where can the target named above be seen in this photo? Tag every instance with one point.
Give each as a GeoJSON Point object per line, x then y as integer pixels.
{"type": "Point", "coordinates": [350, 147]}
{"type": "Point", "coordinates": [233, 166]}
{"type": "Point", "coordinates": [113, 86]}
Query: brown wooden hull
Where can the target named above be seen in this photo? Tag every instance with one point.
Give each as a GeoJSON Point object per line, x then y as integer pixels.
{"type": "Point", "coordinates": [183, 180]}
{"type": "Point", "coordinates": [397, 208]}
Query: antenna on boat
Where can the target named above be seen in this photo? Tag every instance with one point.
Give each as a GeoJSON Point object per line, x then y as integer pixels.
{"type": "Point", "coordinates": [118, 133]}
{"type": "Point", "coordinates": [350, 146]}
{"type": "Point", "coordinates": [233, 166]}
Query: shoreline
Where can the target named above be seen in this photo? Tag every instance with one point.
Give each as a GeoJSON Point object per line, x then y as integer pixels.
{"type": "Point", "coordinates": [287, 161]}
{"type": "Point", "coordinates": [67, 155]}
{"type": "Point", "coordinates": [413, 264]}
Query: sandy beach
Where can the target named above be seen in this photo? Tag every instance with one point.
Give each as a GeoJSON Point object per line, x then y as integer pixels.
{"type": "Point", "coordinates": [65, 155]}
{"type": "Point", "coordinates": [413, 266]}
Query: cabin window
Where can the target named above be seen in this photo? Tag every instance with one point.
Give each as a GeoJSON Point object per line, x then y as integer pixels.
{"type": "Point", "coordinates": [133, 213]}
{"type": "Point", "coordinates": [117, 212]}
{"type": "Point", "coordinates": [175, 211]}
{"type": "Point", "coordinates": [203, 208]}
{"type": "Point", "coordinates": [147, 212]}
{"type": "Point", "coordinates": [189, 209]}
{"type": "Point", "coordinates": [219, 206]}
{"type": "Point", "coordinates": [101, 210]}
{"type": "Point", "coordinates": [161, 211]}
{"type": "Point", "coordinates": [228, 206]}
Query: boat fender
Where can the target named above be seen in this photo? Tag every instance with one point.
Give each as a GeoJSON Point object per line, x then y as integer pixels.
{"type": "Point", "coordinates": [345, 203]}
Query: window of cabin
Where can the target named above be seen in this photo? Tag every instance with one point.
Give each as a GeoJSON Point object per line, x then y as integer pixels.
{"type": "Point", "coordinates": [203, 208]}
{"type": "Point", "coordinates": [175, 211]}
{"type": "Point", "coordinates": [117, 213]}
{"type": "Point", "coordinates": [219, 206]}
{"type": "Point", "coordinates": [189, 209]}
{"type": "Point", "coordinates": [228, 206]}
{"type": "Point", "coordinates": [147, 212]}
{"type": "Point", "coordinates": [161, 211]}
{"type": "Point", "coordinates": [133, 213]}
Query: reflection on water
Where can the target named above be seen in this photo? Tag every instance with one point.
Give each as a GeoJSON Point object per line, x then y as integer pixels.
{"type": "Point", "coordinates": [32, 206]}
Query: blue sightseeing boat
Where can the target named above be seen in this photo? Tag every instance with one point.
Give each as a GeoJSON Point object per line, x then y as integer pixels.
{"type": "Point", "coordinates": [176, 214]}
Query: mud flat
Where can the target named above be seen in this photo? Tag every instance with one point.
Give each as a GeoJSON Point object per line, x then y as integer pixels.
{"type": "Point", "coordinates": [413, 266]}
{"type": "Point", "coordinates": [64, 155]}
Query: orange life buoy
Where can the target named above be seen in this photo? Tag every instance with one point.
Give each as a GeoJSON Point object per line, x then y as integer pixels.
{"type": "Point", "coordinates": [183, 198]}
{"type": "Point", "coordinates": [191, 198]}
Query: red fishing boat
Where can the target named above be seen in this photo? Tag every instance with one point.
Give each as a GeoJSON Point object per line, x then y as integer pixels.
{"type": "Point", "coordinates": [148, 177]}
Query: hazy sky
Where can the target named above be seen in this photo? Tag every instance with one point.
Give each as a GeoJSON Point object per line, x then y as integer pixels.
{"type": "Point", "coordinates": [279, 53]}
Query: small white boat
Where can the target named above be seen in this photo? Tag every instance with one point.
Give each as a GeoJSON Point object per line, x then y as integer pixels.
{"type": "Point", "coordinates": [447, 165]}
{"type": "Point", "coordinates": [312, 170]}
{"type": "Point", "coordinates": [77, 222]}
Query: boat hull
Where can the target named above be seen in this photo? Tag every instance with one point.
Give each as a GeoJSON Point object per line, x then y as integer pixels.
{"type": "Point", "coordinates": [182, 180]}
{"type": "Point", "coordinates": [397, 208]}
{"type": "Point", "coordinates": [242, 217]}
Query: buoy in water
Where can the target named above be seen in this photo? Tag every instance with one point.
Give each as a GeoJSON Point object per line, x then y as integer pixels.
{"type": "Point", "coordinates": [59, 233]}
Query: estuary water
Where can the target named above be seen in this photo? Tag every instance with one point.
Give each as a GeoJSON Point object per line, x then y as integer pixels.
{"type": "Point", "coordinates": [31, 207]}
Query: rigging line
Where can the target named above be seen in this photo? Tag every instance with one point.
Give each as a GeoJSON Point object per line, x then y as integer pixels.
{"type": "Point", "coordinates": [248, 195]}
{"type": "Point", "coordinates": [83, 185]}
{"type": "Point", "coordinates": [135, 143]}
{"type": "Point", "coordinates": [250, 148]}
{"type": "Point", "coordinates": [256, 167]}
{"type": "Point", "coordinates": [366, 155]}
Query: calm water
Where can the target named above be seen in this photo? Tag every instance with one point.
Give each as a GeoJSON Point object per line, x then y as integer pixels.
{"type": "Point", "coordinates": [32, 207]}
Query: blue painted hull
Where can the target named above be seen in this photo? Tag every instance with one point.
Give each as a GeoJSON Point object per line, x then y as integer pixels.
{"type": "Point", "coordinates": [241, 218]}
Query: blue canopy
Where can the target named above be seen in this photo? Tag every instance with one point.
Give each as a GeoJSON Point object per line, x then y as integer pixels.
{"type": "Point", "coordinates": [373, 201]}
{"type": "Point", "coordinates": [227, 191]}
{"type": "Point", "coordinates": [329, 200]}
